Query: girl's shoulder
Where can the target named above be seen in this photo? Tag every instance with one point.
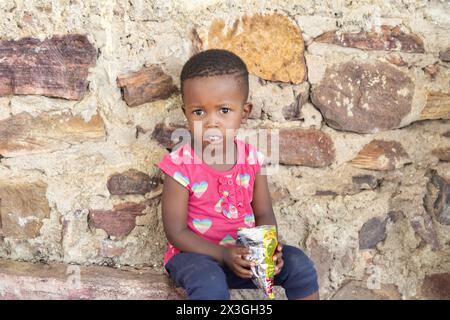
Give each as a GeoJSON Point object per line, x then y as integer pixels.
{"type": "Point", "coordinates": [252, 156]}
{"type": "Point", "coordinates": [180, 155]}
{"type": "Point", "coordinates": [178, 164]}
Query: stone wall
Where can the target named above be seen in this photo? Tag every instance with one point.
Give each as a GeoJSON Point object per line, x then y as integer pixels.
{"type": "Point", "coordinates": [360, 91]}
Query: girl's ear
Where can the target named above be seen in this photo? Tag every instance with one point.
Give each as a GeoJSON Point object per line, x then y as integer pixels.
{"type": "Point", "coordinates": [247, 110]}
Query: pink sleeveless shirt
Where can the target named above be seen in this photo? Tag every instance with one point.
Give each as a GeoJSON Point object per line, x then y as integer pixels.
{"type": "Point", "coordinates": [219, 201]}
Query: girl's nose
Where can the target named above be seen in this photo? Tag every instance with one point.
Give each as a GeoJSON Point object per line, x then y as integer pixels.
{"type": "Point", "coordinates": [211, 121]}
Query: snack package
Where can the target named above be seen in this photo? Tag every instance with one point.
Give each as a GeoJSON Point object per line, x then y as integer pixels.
{"type": "Point", "coordinates": [262, 242]}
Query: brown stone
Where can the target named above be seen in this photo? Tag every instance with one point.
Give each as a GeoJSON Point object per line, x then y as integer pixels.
{"type": "Point", "coordinates": [118, 222]}
{"type": "Point", "coordinates": [56, 281]}
{"type": "Point", "coordinates": [443, 154]}
{"type": "Point", "coordinates": [163, 134]}
{"type": "Point", "coordinates": [24, 134]}
{"type": "Point", "coordinates": [381, 155]}
{"type": "Point", "coordinates": [445, 55]}
{"type": "Point", "coordinates": [131, 182]}
{"type": "Point", "coordinates": [437, 198]}
{"type": "Point", "coordinates": [396, 59]}
{"type": "Point", "coordinates": [436, 286]}
{"type": "Point", "coordinates": [56, 67]}
{"type": "Point", "coordinates": [395, 216]}
{"type": "Point", "coordinates": [437, 107]}
{"type": "Point", "coordinates": [431, 70]}
{"type": "Point", "coordinates": [371, 233]}
{"type": "Point", "coordinates": [365, 182]}
{"type": "Point", "coordinates": [271, 46]}
{"type": "Point", "coordinates": [389, 39]}
{"type": "Point", "coordinates": [23, 207]}
{"type": "Point", "coordinates": [312, 148]}
{"type": "Point", "coordinates": [362, 97]}
{"type": "Point", "coordinates": [446, 134]}
{"type": "Point", "coordinates": [146, 85]}
{"type": "Point", "coordinates": [424, 228]}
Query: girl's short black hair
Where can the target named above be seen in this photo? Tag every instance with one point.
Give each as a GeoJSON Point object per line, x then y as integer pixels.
{"type": "Point", "coordinates": [215, 62]}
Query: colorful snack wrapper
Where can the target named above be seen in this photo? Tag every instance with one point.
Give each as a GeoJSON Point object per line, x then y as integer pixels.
{"type": "Point", "coordinates": [262, 242]}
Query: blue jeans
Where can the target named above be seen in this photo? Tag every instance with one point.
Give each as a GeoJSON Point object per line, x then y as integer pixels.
{"type": "Point", "coordinates": [204, 278]}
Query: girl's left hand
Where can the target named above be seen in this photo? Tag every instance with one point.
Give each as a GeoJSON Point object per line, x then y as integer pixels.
{"type": "Point", "coordinates": [278, 258]}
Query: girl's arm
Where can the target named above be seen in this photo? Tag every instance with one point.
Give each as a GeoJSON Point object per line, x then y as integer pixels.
{"type": "Point", "coordinates": [263, 212]}
{"type": "Point", "coordinates": [261, 202]}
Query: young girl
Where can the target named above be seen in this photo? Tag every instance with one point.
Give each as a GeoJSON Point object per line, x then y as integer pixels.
{"type": "Point", "coordinates": [213, 186]}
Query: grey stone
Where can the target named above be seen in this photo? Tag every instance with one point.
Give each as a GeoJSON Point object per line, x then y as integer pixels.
{"type": "Point", "coordinates": [437, 199]}
{"type": "Point", "coordinates": [372, 232]}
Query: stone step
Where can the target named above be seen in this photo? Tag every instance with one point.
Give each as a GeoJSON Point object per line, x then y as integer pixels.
{"type": "Point", "coordinates": [58, 281]}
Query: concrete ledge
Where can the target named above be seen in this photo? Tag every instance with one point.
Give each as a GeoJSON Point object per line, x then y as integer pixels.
{"type": "Point", "coordinates": [57, 281]}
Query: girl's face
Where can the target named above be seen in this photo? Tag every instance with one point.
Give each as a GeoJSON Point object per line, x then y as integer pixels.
{"type": "Point", "coordinates": [215, 107]}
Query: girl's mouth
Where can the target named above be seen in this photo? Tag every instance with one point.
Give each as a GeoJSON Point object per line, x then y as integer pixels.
{"type": "Point", "coordinates": [213, 139]}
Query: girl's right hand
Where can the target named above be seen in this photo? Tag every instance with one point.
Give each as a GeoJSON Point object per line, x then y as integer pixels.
{"type": "Point", "coordinates": [233, 258]}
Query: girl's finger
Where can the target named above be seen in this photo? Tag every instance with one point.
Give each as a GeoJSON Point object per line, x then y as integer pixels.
{"type": "Point", "coordinates": [280, 264]}
{"type": "Point", "coordinates": [245, 263]}
{"type": "Point", "coordinates": [278, 268]}
{"type": "Point", "coordinates": [277, 256]}
{"type": "Point", "coordinates": [242, 251]}
{"type": "Point", "coordinates": [244, 276]}
{"type": "Point", "coordinates": [242, 272]}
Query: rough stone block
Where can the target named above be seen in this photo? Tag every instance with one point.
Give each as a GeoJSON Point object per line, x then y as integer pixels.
{"type": "Point", "coordinates": [310, 147]}
{"type": "Point", "coordinates": [146, 85]}
{"type": "Point", "coordinates": [363, 97]}
{"type": "Point", "coordinates": [23, 206]}
{"type": "Point", "coordinates": [23, 134]}
{"type": "Point", "coordinates": [436, 286]}
{"type": "Point", "coordinates": [118, 222]}
{"type": "Point", "coordinates": [445, 55]}
{"type": "Point", "coordinates": [372, 232]}
{"type": "Point", "coordinates": [389, 39]}
{"type": "Point", "coordinates": [424, 228]}
{"type": "Point", "coordinates": [56, 67]}
{"type": "Point", "coordinates": [437, 106]}
{"type": "Point", "coordinates": [271, 46]}
{"type": "Point", "coordinates": [381, 155]}
{"type": "Point", "coordinates": [443, 154]}
{"type": "Point", "coordinates": [163, 134]}
{"type": "Point", "coordinates": [55, 281]}
{"type": "Point", "coordinates": [437, 199]}
{"type": "Point", "coordinates": [131, 182]}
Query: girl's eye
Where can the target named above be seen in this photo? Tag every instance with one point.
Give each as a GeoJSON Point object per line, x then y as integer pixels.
{"type": "Point", "coordinates": [198, 112]}
{"type": "Point", "coordinates": [225, 110]}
